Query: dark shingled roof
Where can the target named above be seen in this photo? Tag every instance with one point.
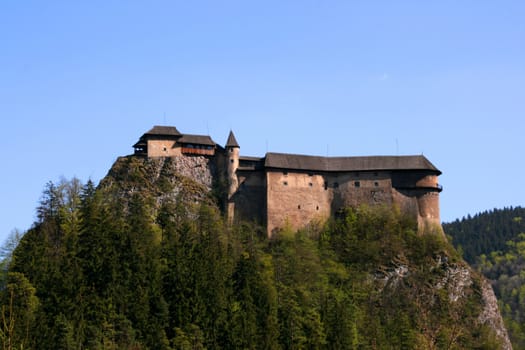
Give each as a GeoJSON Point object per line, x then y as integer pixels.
{"type": "Point", "coordinates": [164, 131]}
{"type": "Point", "coordinates": [328, 164]}
{"type": "Point", "coordinates": [140, 143]}
{"type": "Point", "coordinates": [197, 140]}
{"type": "Point", "coordinates": [158, 130]}
{"type": "Point", "coordinates": [251, 159]}
{"type": "Point", "coordinates": [232, 142]}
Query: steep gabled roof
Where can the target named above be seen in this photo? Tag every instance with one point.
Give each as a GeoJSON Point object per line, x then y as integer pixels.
{"type": "Point", "coordinates": [232, 142]}
{"type": "Point", "coordinates": [197, 140]}
{"type": "Point", "coordinates": [160, 130]}
{"type": "Point", "coordinates": [331, 164]}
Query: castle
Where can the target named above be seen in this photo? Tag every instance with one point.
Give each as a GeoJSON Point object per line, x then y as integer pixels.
{"type": "Point", "coordinates": [280, 189]}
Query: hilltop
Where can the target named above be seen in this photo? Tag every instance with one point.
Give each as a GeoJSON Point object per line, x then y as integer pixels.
{"type": "Point", "coordinates": [146, 261]}
{"type": "Point", "coordinates": [282, 189]}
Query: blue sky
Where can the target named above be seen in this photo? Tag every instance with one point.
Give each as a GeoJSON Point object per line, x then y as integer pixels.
{"type": "Point", "coordinates": [80, 82]}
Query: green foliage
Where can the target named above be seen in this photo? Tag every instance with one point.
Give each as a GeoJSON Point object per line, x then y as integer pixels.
{"type": "Point", "coordinates": [6, 254]}
{"type": "Point", "coordinates": [494, 243]}
{"type": "Point", "coordinates": [506, 270]}
{"type": "Point", "coordinates": [486, 232]}
{"type": "Point", "coordinates": [18, 312]}
{"type": "Point", "coordinates": [118, 268]}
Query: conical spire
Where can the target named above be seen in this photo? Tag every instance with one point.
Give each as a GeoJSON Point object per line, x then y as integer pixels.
{"type": "Point", "coordinates": [232, 142]}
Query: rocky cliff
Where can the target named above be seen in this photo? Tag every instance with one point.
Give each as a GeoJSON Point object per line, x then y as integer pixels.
{"type": "Point", "coordinates": [188, 181]}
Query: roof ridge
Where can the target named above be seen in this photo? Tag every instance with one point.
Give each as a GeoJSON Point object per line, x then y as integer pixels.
{"type": "Point", "coordinates": [163, 130]}
{"type": "Point", "coordinates": [354, 163]}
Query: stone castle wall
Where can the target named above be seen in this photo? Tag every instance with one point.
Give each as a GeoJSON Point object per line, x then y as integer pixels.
{"type": "Point", "coordinates": [279, 198]}
{"type": "Point", "coordinates": [282, 190]}
{"type": "Point", "coordinates": [428, 204]}
{"type": "Point", "coordinates": [356, 188]}
{"type": "Point", "coordinates": [163, 148]}
{"type": "Point", "coordinates": [293, 199]}
{"type": "Point", "coordinates": [250, 197]}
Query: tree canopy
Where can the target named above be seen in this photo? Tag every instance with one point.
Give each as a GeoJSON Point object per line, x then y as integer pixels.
{"type": "Point", "coordinates": [494, 243]}
{"type": "Point", "coordinates": [114, 268]}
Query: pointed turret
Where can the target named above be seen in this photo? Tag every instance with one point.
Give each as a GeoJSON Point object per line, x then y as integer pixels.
{"type": "Point", "coordinates": [232, 142]}
{"type": "Point", "coordinates": [232, 151]}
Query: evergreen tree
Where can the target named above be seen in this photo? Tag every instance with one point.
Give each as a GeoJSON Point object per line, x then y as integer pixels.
{"type": "Point", "coordinates": [126, 266]}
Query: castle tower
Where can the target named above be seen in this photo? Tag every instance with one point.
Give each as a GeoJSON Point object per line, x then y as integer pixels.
{"type": "Point", "coordinates": [232, 150]}
{"type": "Point", "coordinates": [428, 203]}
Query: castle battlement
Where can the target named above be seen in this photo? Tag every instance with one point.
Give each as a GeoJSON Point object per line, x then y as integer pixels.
{"type": "Point", "coordinates": [287, 189]}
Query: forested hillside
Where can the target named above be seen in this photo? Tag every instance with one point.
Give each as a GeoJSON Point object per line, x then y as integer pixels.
{"type": "Point", "coordinates": [494, 243]}
{"type": "Point", "coordinates": [486, 232]}
{"type": "Point", "coordinates": [145, 261]}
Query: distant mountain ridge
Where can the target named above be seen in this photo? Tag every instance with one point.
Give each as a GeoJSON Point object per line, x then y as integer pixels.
{"type": "Point", "coordinates": [486, 232]}
{"type": "Point", "coordinates": [494, 243]}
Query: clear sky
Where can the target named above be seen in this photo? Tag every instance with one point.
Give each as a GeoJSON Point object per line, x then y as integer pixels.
{"type": "Point", "coordinates": [81, 81]}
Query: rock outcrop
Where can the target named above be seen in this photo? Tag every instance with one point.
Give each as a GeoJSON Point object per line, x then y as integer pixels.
{"type": "Point", "coordinates": [459, 282]}
{"type": "Point", "coordinates": [188, 182]}
{"type": "Point", "coordinates": [492, 316]}
{"type": "Point", "coordinates": [182, 181]}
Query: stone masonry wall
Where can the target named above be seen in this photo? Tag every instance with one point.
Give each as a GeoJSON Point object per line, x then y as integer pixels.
{"type": "Point", "coordinates": [357, 188]}
{"type": "Point", "coordinates": [295, 199]}
{"type": "Point", "coordinates": [250, 198]}
{"type": "Point", "coordinates": [281, 198]}
{"type": "Point", "coordinates": [163, 148]}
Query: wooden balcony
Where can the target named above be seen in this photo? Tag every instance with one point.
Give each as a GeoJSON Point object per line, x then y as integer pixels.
{"type": "Point", "coordinates": [198, 151]}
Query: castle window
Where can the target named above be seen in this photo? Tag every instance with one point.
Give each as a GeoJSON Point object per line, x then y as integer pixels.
{"type": "Point", "coordinates": [376, 184]}
{"type": "Point", "coordinates": [285, 173]}
{"type": "Point", "coordinates": [310, 184]}
{"type": "Point", "coordinates": [310, 174]}
{"type": "Point", "coordinates": [325, 185]}
{"type": "Point", "coordinates": [165, 149]}
{"type": "Point", "coordinates": [299, 206]}
{"type": "Point", "coordinates": [357, 184]}
{"type": "Point", "coordinates": [285, 183]}
{"type": "Point", "coordinates": [317, 208]}
{"type": "Point", "coordinates": [231, 160]}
